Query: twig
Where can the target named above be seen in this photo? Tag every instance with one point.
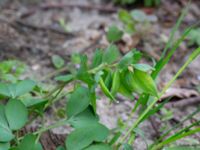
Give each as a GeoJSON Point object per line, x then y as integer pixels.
{"type": "Point", "coordinates": [184, 102]}
{"type": "Point", "coordinates": [47, 6]}
{"type": "Point", "coordinates": [54, 73]}
{"type": "Point", "coordinates": [34, 27]}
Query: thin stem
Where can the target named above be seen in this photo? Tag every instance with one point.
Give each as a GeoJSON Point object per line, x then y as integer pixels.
{"type": "Point", "coordinates": [174, 138]}
{"type": "Point", "coordinates": [177, 125]}
{"type": "Point", "coordinates": [56, 125]}
{"type": "Point", "coordinates": [163, 61]}
{"type": "Point", "coordinates": [54, 73]}
{"type": "Point", "coordinates": [59, 89]}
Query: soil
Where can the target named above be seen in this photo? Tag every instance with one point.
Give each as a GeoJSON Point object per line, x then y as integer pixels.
{"type": "Point", "coordinates": [38, 36]}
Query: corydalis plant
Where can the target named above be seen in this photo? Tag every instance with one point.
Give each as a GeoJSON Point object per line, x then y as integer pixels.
{"type": "Point", "coordinates": [114, 75]}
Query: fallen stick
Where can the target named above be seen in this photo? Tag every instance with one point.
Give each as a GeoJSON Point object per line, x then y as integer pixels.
{"type": "Point", "coordinates": [47, 6]}
{"type": "Point", "coordinates": [184, 102]}
{"type": "Point", "coordinates": [34, 27]}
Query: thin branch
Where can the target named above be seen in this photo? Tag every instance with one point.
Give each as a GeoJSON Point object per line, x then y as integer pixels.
{"type": "Point", "coordinates": [47, 6]}
{"type": "Point", "coordinates": [184, 102]}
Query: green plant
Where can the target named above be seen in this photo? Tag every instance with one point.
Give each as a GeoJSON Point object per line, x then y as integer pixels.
{"type": "Point", "coordinates": [194, 36]}
{"type": "Point", "coordinates": [134, 21]}
{"type": "Point", "coordinates": [11, 70]}
{"type": "Point", "coordinates": [113, 74]}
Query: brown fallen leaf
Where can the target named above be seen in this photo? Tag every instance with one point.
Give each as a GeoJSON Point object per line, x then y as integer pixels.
{"type": "Point", "coordinates": [180, 93]}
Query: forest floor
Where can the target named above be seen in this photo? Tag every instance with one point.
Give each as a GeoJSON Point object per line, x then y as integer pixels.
{"type": "Point", "coordinates": [40, 36]}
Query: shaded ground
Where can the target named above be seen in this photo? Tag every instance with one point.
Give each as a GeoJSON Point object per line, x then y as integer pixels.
{"type": "Point", "coordinates": [40, 36]}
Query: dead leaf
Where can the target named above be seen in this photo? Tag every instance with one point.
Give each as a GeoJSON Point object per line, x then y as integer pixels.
{"type": "Point", "coordinates": [180, 93]}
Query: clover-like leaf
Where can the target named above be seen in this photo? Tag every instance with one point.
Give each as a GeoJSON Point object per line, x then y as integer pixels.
{"type": "Point", "coordinates": [124, 16]}
{"type": "Point", "coordinates": [97, 58]}
{"type": "Point", "coordinates": [4, 146]}
{"type": "Point", "coordinates": [16, 89]}
{"type": "Point", "coordinates": [5, 132]}
{"type": "Point", "coordinates": [58, 62]}
{"type": "Point", "coordinates": [131, 57]}
{"type": "Point", "coordinates": [85, 118]}
{"type": "Point", "coordinates": [65, 78]}
{"type": "Point", "coordinates": [143, 67]}
{"type": "Point", "coordinates": [16, 114]}
{"type": "Point", "coordinates": [82, 137]}
{"type": "Point", "coordinates": [78, 101]}
{"type": "Point", "coordinates": [111, 54]}
{"type": "Point", "coordinates": [29, 143]}
{"type": "Point", "coordinates": [24, 86]}
{"type": "Point", "coordinates": [114, 34]}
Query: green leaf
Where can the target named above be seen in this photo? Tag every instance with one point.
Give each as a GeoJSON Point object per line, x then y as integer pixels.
{"type": "Point", "coordinates": [14, 148]}
{"type": "Point", "coordinates": [131, 57]}
{"type": "Point", "coordinates": [108, 79]}
{"type": "Point", "coordinates": [5, 132]}
{"type": "Point", "coordinates": [65, 78]}
{"type": "Point", "coordinates": [18, 89]}
{"type": "Point", "coordinates": [124, 16]}
{"type": "Point", "coordinates": [141, 82]}
{"type": "Point", "coordinates": [93, 98]}
{"type": "Point", "coordinates": [138, 15]}
{"type": "Point", "coordinates": [130, 27]}
{"type": "Point", "coordinates": [16, 114]}
{"type": "Point", "coordinates": [126, 60]}
{"type": "Point", "coordinates": [78, 101]}
{"type": "Point", "coordinates": [24, 86]}
{"type": "Point", "coordinates": [194, 36]}
{"type": "Point", "coordinates": [83, 74]}
{"type": "Point", "coordinates": [146, 82]}
{"type": "Point", "coordinates": [4, 146]}
{"type": "Point", "coordinates": [115, 83]}
{"type": "Point", "coordinates": [5, 90]}
{"type": "Point", "coordinates": [11, 70]}
{"type": "Point", "coordinates": [137, 55]}
{"type": "Point", "coordinates": [131, 82]}
{"type": "Point", "coordinates": [84, 119]}
{"type": "Point", "coordinates": [83, 137]}
{"type": "Point", "coordinates": [29, 143]}
{"type": "Point", "coordinates": [100, 146]}
{"type": "Point", "coordinates": [29, 102]}
{"type": "Point", "coordinates": [58, 62]}
{"type": "Point", "coordinates": [97, 58]}
{"type": "Point", "coordinates": [125, 92]}
{"type": "Point", "coordinates": [114, 34]}
{"type": "Point", "coordinates": [105, 89]}
{"type": "Point", "coordinates": [124, 88]}
{"type": "Point", "coordinates": [111, 54]}
{"type": "Point", "coordinates": [60, 148]}
{"type": "Point", "coordinates": [143, 67]}
{"type": "Point", "coordinates": [127, 147]}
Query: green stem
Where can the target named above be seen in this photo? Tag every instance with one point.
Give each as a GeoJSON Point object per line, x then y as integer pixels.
{"type": "Point", "coordinates": [169, 140]}
{"type": "Point", "coordinates": [177, 125]}
{"type": "Point", "coordinates": [56, 125]}
{"type": "Point", "coordinates": [190, 59]}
